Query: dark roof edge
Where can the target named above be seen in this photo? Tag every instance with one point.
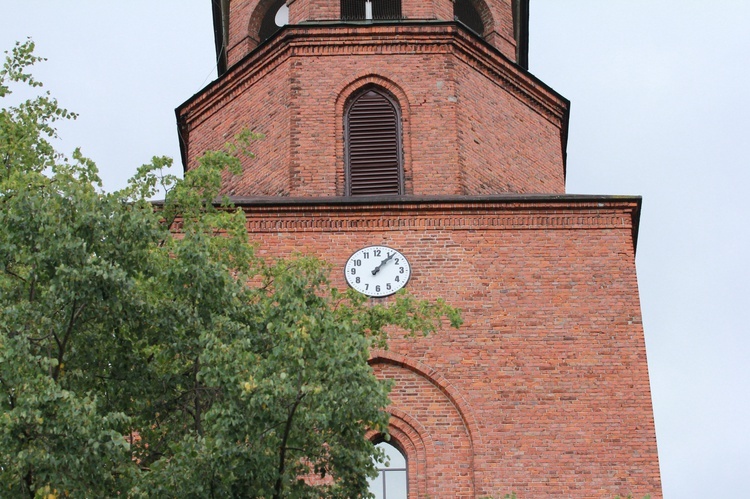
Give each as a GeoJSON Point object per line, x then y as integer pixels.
{"type": "Point", "coordinates": [564, 139]}
{"type": "Point", "coordinates": [521, 31]}
{"type": "Point", "coordinates": [411, 200]}
{"type": "Point", "coordinates": [220, 13]}
{"type": "Point", "coordinates": [408, 200]}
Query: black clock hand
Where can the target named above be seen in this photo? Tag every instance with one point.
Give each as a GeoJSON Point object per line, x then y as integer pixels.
{"type": "Point", "coordinates": [377, 269]}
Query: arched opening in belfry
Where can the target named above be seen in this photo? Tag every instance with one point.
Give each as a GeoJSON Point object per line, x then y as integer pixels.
{"type": "Point", "coordinates": [275, 18]}
{"type": "Point", "coordinates": [467, 13]}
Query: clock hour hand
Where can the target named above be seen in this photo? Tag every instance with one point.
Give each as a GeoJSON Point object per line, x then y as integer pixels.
{"type": "Point", "coordinates": [377, 269]}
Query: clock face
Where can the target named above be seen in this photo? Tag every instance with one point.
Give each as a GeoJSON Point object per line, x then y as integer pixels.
{"type": "Point", "coordinates": [377, 271]}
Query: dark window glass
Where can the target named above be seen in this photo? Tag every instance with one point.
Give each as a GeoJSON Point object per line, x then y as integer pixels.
{"type": "Point", "coordinates": [360, 10]}
{"type": "Point", "coordinates": [373, 146]}
{"type": "Point", "coordinates": [465, 12]}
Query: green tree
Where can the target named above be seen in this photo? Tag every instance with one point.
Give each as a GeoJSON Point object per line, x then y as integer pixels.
{"type": "Point", "coordinates": [150, 352]}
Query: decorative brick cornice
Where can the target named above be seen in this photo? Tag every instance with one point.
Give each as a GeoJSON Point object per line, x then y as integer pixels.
{"type": "Point", "coordinates": [332, 39]}
{"type": "Point", "coordinates": [448, 221]}
{"type": "Point", "coordinates": [512, 212]}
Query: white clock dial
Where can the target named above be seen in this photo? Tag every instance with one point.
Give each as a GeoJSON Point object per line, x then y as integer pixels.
{"type": "Point", "coordinates": [377, 271]}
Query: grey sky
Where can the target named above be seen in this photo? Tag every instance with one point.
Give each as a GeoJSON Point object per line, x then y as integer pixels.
{"type": "Point", "coordinates": [660, 108]}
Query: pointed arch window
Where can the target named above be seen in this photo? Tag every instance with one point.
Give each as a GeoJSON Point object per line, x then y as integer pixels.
{"type": "Point", "coordinates": [373, 145]}
{"type": "Point", "coordinates": [391, 482]}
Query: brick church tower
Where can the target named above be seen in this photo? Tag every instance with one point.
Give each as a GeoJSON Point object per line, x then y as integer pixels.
{"type": "Point", "coordinates": [413, 128]}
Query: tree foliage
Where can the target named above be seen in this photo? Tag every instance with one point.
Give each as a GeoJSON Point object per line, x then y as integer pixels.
{"type": "Point", "coordinates": [150, 353]}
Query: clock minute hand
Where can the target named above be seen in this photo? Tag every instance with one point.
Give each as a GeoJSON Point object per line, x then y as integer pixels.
{"type": "Point", "coordinates": [377, 269]}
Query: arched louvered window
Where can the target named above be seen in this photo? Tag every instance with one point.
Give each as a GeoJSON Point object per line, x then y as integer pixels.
{"type": "Point", "coordinates": [360, 10]}
{"type": "Point", "coordinates": [373, 145]}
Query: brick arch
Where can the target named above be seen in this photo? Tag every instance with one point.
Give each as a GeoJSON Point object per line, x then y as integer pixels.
{"type": "Point", "coordinates": [254, 22]}
{"type": "Point", "coordinates": [436, 378]}
{"type": "Point", "coordinates": [344, 95]}
{"type": "Point", "coordinates": [428, 412]}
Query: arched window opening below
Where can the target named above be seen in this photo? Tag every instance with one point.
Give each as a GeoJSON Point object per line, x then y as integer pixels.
{"type": "Point", "coordinates": [367, 10]}
{"type": "Point", "coordinates": [373, 146]}
{"type": "Point", "coordinates": [465, 12]}
{"type": "Point", "coordinates": [391, 482]}
{"type": "Point", "coordinates": [276, 17]}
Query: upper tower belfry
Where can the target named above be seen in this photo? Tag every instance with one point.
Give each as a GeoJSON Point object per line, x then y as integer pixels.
{"type": "Point", "coordinates": [470, 119]}
{"type": "Point", "coordinates": [241, 25]}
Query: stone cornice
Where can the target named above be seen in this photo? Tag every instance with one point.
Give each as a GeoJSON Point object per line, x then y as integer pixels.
{"type": "Point", "coordinates": [412, 38]}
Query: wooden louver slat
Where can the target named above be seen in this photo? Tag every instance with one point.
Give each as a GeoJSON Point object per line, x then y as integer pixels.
{"type": "Point", "coordinates": [373, 139]}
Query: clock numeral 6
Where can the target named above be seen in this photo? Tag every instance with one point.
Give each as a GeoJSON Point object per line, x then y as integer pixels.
{"type": "Point", "coordinates": [377, 288]}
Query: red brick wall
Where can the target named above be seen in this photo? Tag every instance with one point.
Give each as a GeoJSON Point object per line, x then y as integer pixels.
{"type": "Point", "coordinates": [264, 110]}
{"type": "Point", "coordinates": [473, 122]}
{"type": "Point", "coordinates": [544, 390]}
{"type": "Point", "coordinates": [504, 146]}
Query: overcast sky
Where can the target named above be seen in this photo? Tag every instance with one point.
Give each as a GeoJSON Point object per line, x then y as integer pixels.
{"type": "Point", "coordinates": [660, 108]}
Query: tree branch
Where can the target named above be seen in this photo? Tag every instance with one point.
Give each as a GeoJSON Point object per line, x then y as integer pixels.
{"type": "Point", "coordinates": [283, 448]}
{"type": "Point", "coordinates": [196, 398]}
{"type": "Point", "coordinates": [62, 345]}
{"type": "Point", "coordinates": [10, 272]}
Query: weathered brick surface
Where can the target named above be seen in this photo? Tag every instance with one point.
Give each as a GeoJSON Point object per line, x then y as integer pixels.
{"type": "Point", "coordinates": [544, 390]}
{"type": "Point", "coordinates": [473, 122]}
